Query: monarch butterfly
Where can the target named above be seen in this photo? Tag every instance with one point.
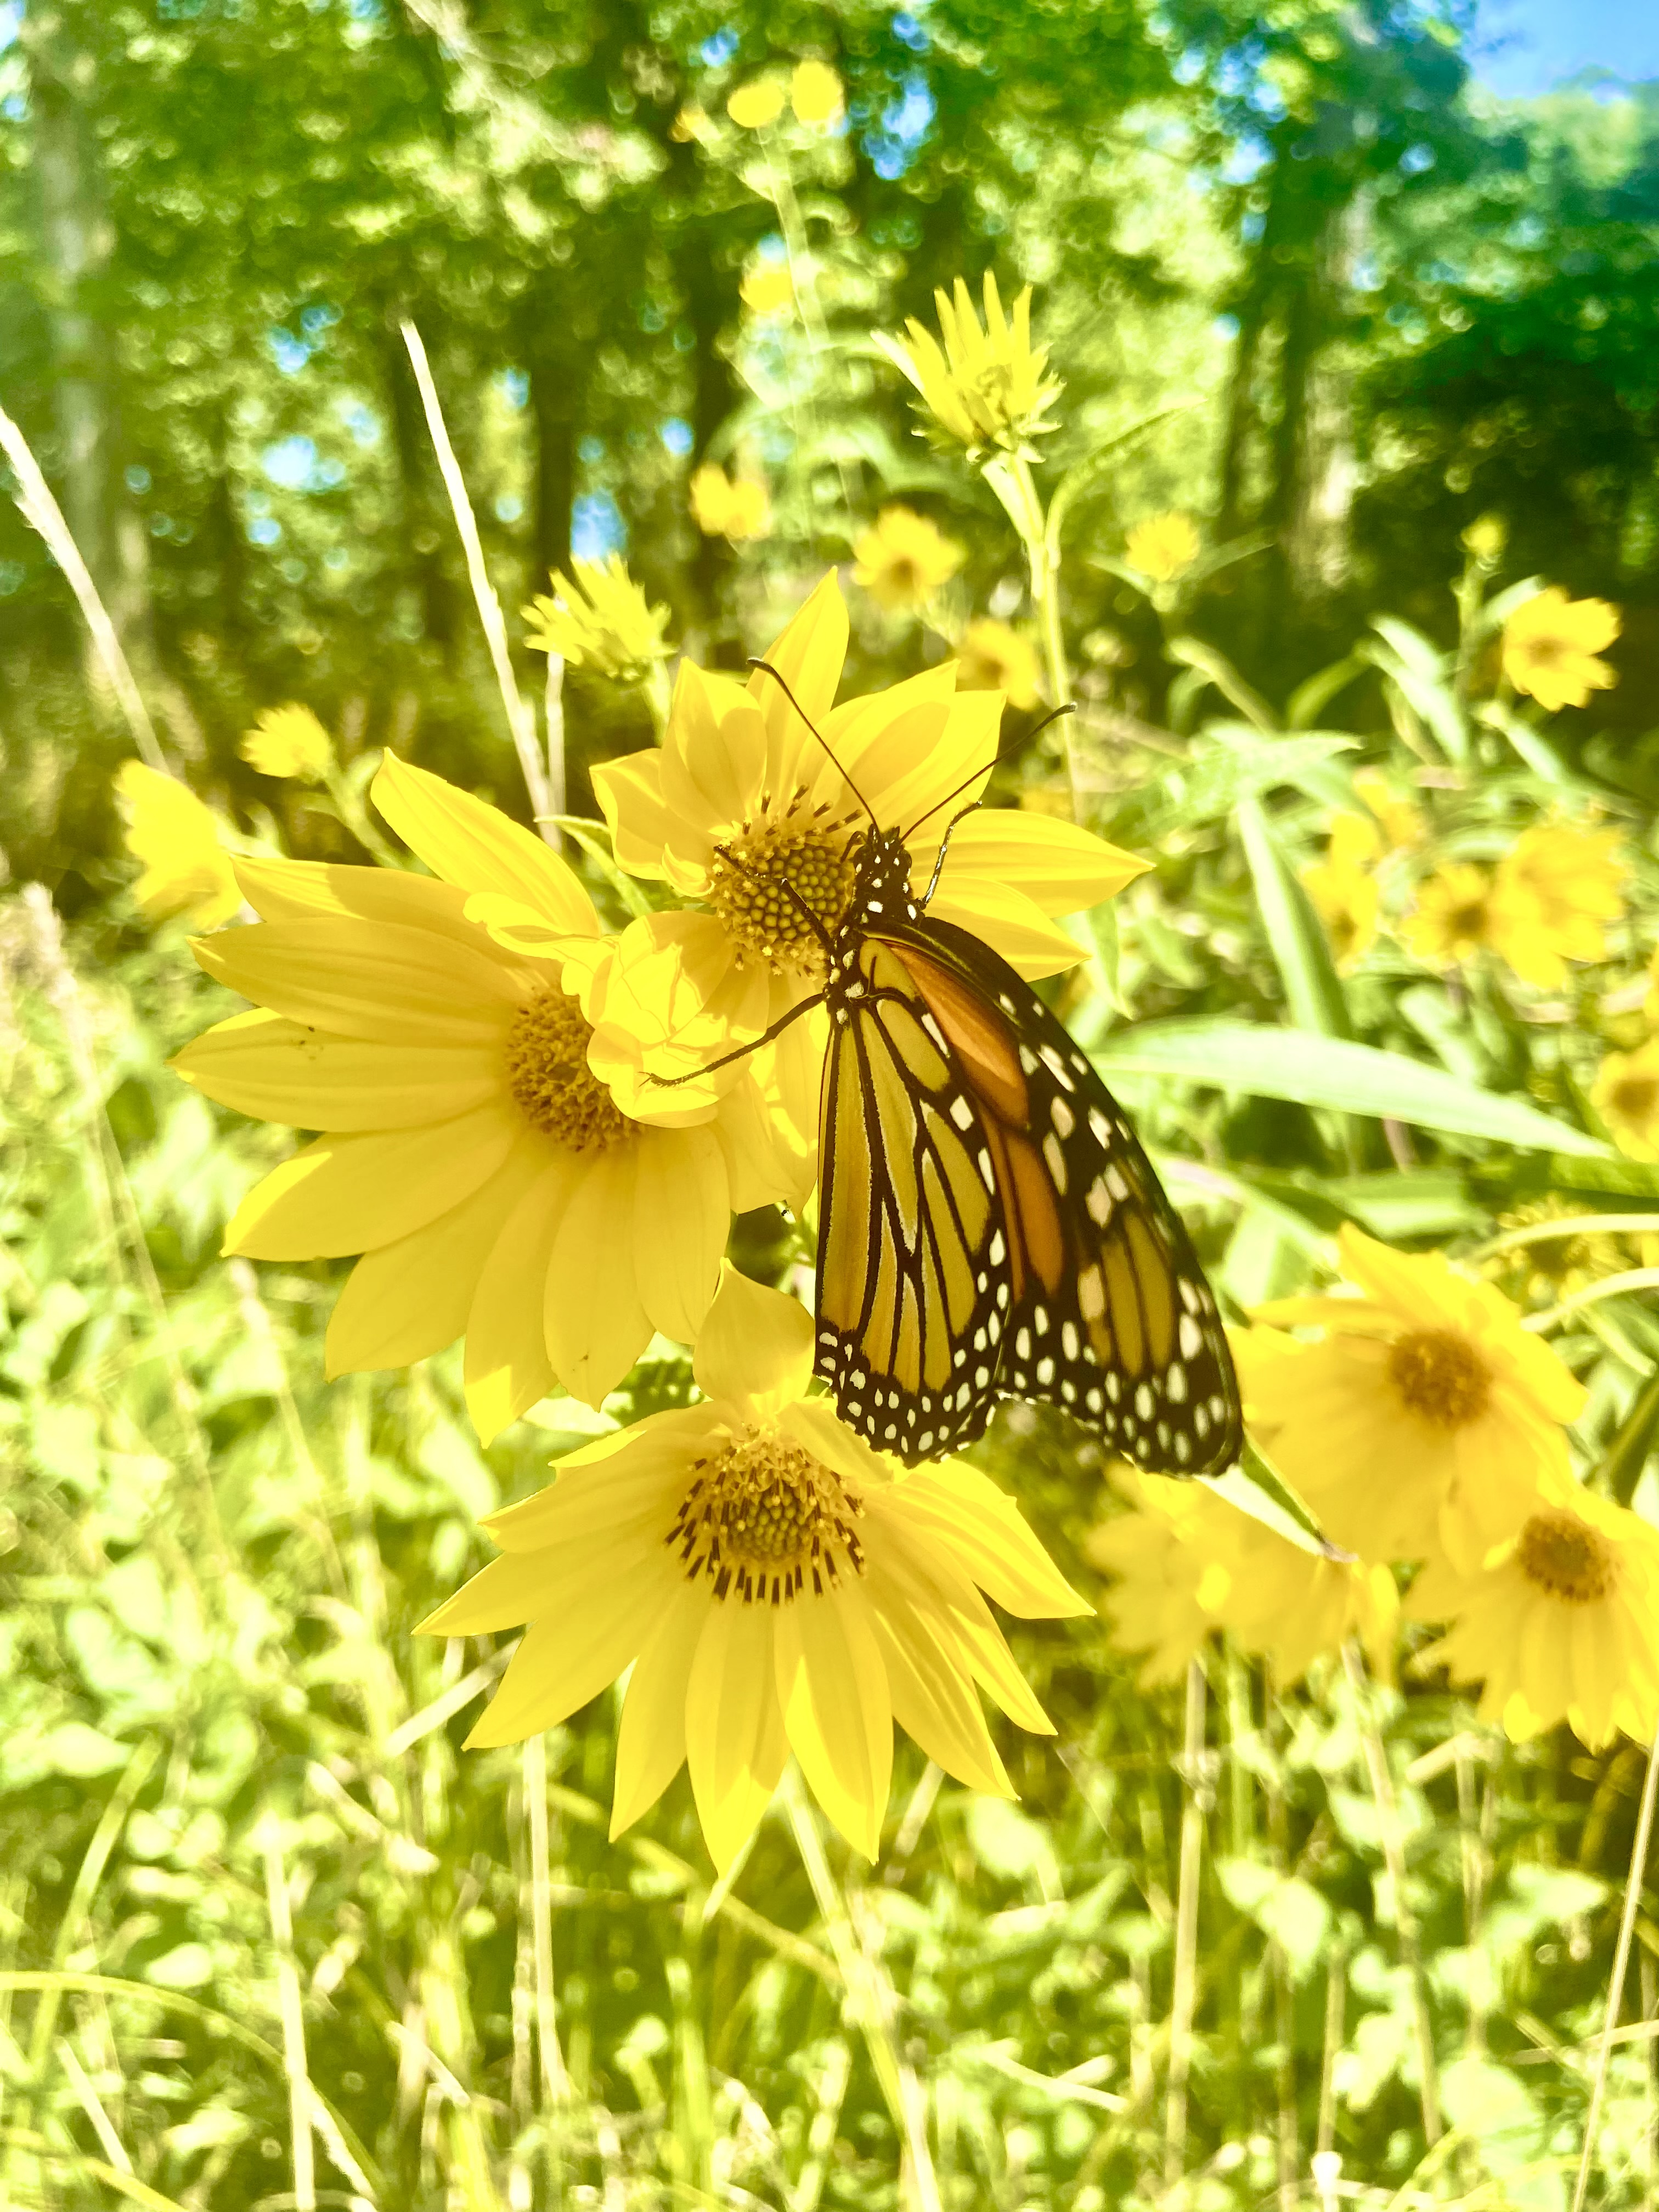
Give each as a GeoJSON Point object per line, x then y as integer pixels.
{"type": "Point", "coordinates": [988, 1224]}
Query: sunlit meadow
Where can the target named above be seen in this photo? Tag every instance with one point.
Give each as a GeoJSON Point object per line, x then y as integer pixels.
{"type": "Point", "coordinates": [403, 1805]}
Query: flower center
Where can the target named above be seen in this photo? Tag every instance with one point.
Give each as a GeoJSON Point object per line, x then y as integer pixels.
{"type": "Point", "coordinates": [758, 913]}
{"type": "Point", "coordinates": [1558, 1552]}
{"type": "Point", "coordinates": [1440, 1376]}
{"type": "Point", "coordinates": [1635, 1097]}
{"type": "Point", "coordinates": [550, 1081]}
{"type": "Point", "coordinates": [1468, 922]}
{"type": "Point", "coordinates": [763, 1517]}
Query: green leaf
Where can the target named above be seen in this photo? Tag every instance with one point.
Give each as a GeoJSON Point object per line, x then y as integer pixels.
{"type": "Point", "coordinates": [1295, 938]}
{"type": "Point", "coordinates": [1229, 763]}
{"type": "Point", "coordinates": [1309, 699]}
{"type": "Point", "coordinates": [1216, 668]}
{"type": "Point", "coordinates": [1614, 1178]}
{"type": "Point", "coordinates": [1322, 1070]}
{"type": "Point", "coordinates": [1283, 1906]}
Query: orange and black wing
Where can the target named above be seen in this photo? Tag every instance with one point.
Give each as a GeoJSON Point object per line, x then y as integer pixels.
{"type": "Point", "coordinates": [914, 1283]}
{"type": "Point", "coordinates": [1078, 1282]}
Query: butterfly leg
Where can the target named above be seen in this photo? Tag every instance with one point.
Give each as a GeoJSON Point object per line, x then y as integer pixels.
{"type": "Point", "coordinates": [743, 1051]}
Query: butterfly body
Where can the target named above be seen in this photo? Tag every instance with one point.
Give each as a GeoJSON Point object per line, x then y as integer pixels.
{"type": "Point", "coordinates": [989, 1226]}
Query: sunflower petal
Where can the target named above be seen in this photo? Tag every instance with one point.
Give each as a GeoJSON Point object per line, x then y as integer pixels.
{"type": "Point", "coordinates": [682, 1216]}
{"type": "Point", "coordinates": [833, 1689]}
{"type": "Point", "coordinates": [311, 891]}
{"type": "Point", "coordinates": [409, 1298]}
{"type": "Point", "coordinates": [965, 1513]}
{"type": "Point", "coordinates": [651, 1742]}
{"type": "Point", "coordinates": [733, 1746]}
{"type": "Point", "coordinates": [756, 1344]}
{"type": "Point", "coordinates": [276, 1070]}
{"type": "Point", "coordinates": [1061, 868]}
{"type": "Point", "coordinates": [346, 1195]}
{"type": "Point", "coordinates": [573, 1653]}
{"type": "Point", "coordinates": [467, 842]}
{"type": "Point", "coordinates": [379, 982]}
{"type": "Point", "coordinates": [934, 1701]}
{"type": "Point", "coordinates": [595, 1325]}
{"type": "Point", "coordinates": [1009, 920]}
{"type": "Point", "coordinates": [629, 792]}
{"type": "Point", "coordinates": [507, 1363]}
{"type": "Point", "coordinates": [630, 1475]}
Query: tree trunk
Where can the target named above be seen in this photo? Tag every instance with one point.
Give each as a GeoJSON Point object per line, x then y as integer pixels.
{"type": "Point", "coordinates": [557, 395]}
{"type": "Point", "coordinates": [79, 240]}
{"type": "Point", "coordinates": [1318, 543]}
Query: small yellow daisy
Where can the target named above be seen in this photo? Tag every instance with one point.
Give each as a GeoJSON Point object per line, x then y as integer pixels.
{"type": "Point", "coordinates": [1165, 548]}
{"type": "Point", "coordinates": [1425, 1417]}
{"type": "Point", "coordinates": [289, 741]}
{"type": "Point", "coordinates": [1554, 891]}
{"type": "Point", "coordinates": [991, 657]}
{"type": "Point", "coordinates": [1450, 919]}
{"type": "Point", "coordinates": [753, 105]}
{"type": "Point", "coordinates": [904, 560]}
{"type": "Point", "coordinates": [1626, 1095]}
{"type": "Point", "coordinates": [1345, 898]}
{"type": "Point", "coordinates": [775, 1586]}
{"type": "Point", "coordinates": [1561, 1624]}
{"type": "Point", "coordinates": [734, 508]}
{"type": "Point", "coordinates": [1189, 1564]}
{"type": "Point", "coordinates": [1550, 647]}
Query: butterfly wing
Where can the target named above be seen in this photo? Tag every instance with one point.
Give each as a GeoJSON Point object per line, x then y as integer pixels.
{"type": "Point", "coordinates": [915, 1284]}
{"type": "Point", "coordinates": [1107, 1314]}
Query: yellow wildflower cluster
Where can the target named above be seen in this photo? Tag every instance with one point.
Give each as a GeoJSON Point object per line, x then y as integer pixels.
{"type": "Point", "coordinates": [479, 1058]}
{"type": "Point", "coordinates": [1547, 902]}
{"type": "Point", "coordinates": [1420, 1420]}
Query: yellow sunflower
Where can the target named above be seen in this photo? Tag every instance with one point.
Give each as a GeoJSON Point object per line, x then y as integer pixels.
{"type": "Point", "coordinates": [991, 657]}
{"type": "Point", "coordinates": [468, 1153]}
{"type": "Point", "coordinates": [186, 870]}
{"type": "Point", "coordinates": [1189, 1564]}
{"type": "Point", "coordinates": [775, 1585]}
{"type": "Point", "coordinates": [904, 560]}
{"type": "Point", "coordinates": [1451, 918]}
{"type": "Point", "coordinates": [1425, 1417]}
{"type": "Point", "coordinates": [743, 798]}
{"type": "Point", "coordinates": [1550, 648]}
{"type": "Point", "coordinates": [1626, 1096]}
{"type": "Point", "coordinates": [987, 390]}
{"type": "Point", "coordinates": [598, 617]}
{"type": "Point", "coordinates": [1561, 1624]}
{"type": "Point", "coordinates": [1554, 889]}
{"type": "Point", "coordinates": [1165, 548]}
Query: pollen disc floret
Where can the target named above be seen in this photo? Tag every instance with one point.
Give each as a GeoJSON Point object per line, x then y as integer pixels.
{"type": "Point", "coordinates": [760, 917]}
{"type": "Point", "coordinates": [548, 1075]}
{"type": "Point", "coordinates": [763, 1518]}
{"type": "Point", "coordinates": [1564, 1555]}
{"type": "Point", "coordinates": [1440, 1376]}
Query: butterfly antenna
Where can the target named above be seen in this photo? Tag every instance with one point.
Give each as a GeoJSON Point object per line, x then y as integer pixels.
{"type": "Point", "coordinates": [1068, 708]}
{"type": "Point", "coordinates": [819, 734]}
